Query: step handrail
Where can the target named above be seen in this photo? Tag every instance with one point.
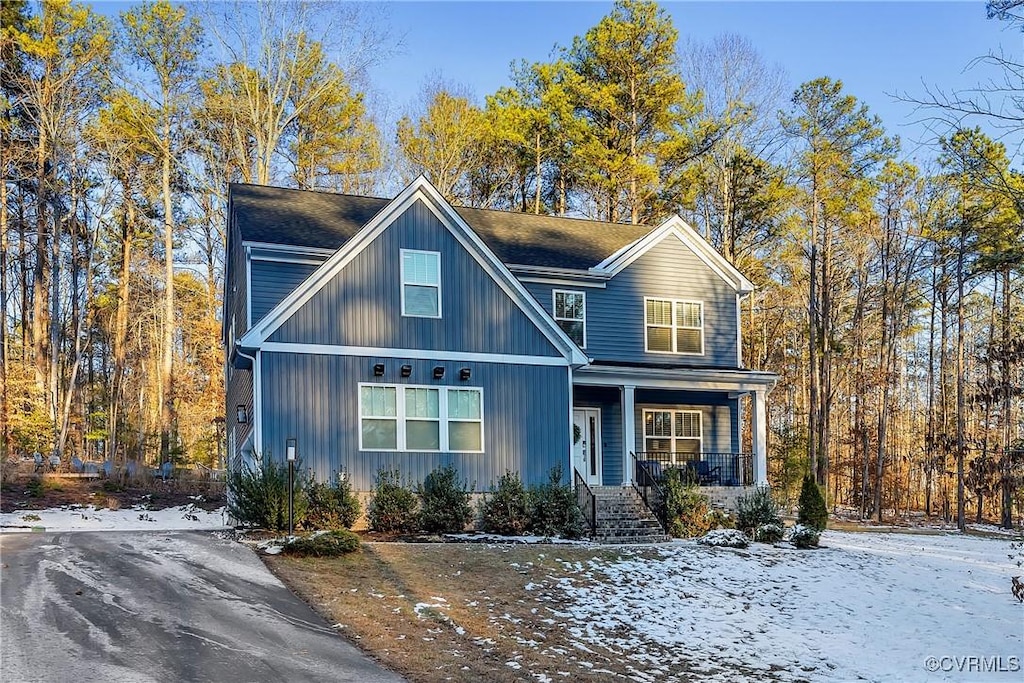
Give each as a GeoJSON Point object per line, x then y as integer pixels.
{"type": "Point", "coordinates": [644, 483]}
{"type": "Point", "coordinates": [586, 500]}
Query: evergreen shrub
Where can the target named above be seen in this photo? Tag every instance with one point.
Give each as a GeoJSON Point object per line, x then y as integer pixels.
{"type": "Point", "coordinates": [331, 507]}
{"type": "Point", "coordinates": [506, 511]}
{"type": "Point", "coordinates": [811, 509]}
{"type": "Point", "coordinates": [755, 509]}
{"type": "Point", "coordinates": [393, 505]}
{"type": "Point", "coordinates": [444, 502]}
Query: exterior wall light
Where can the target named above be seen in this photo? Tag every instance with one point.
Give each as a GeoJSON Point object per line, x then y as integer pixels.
{"type": "Point", "coordinates": [439, 372]}
{"type": "Point", "coordinates": [378, 369]}
{"type": "Point", "coordinates": [464, 374]}
{"type": "Point", "coordinates": [406, 370]}
{"type": "Point", "coordinates": [241, 415]}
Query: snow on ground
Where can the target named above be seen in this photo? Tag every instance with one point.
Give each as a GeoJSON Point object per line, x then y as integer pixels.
{"type": "Point", "coordinates": [91, 518]}
{"type": "Point", "coordinates": [866, 606]}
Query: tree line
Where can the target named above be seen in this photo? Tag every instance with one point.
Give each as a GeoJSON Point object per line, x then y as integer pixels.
{"type": "Point", "coordinates": [889, 289]}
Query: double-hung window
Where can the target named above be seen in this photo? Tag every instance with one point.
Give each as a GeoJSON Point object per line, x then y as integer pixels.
{"type": "Point", "coordinates": [421, 283]}
{"type": "Point", "coordinates": [570, 310]}
{"type": "Point", "coordinates": [674, 326]}
{"type": "Point", "coordinates": [673, 431]}
{"type": "Point", "coordinates": [412, 418]}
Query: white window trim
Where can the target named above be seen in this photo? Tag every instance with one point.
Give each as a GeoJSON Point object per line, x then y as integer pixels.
{"type": "Point", "coordinates": [400, 417]}
{"type": "Point", "coordinates": [675, 326]}
{"type": "Point", "coordinates": [401, 266]}
{"type": "Point", "coordinates": [554, 297]}
{"type": "Point", "coordinates": [672, 422]}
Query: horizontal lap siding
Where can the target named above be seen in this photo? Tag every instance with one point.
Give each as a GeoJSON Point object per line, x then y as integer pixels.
{"type": "Point", "coordinates": [272, 281]}
{"type": "Point", "coordinates": [615, 315]}
{"type": "Point", "coordinates": [314, 398]}
{"type": "Point", "coordinates": [239, 392]}
{"type": "Point", "coordinates": [609, 401]}
{"type": "Point", "coordinates": [719, 416]}
{"type": "Point", "coordinates": [237, 287]}
{"type": "Point", "coordinates": [361, 306]}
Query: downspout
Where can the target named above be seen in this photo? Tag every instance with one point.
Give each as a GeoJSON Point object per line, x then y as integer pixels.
{"type": "Point", "coordinates": [257, 401]}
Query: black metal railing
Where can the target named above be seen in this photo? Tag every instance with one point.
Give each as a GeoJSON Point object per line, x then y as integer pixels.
{"type": "Point", "coordinates": [586, 500]}
{"type": "Point", "coordinates": [703, 469]}
{"type": "Point", "coordinates": [648, 486]}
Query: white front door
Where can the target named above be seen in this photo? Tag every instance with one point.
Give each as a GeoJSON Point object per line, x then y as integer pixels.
{"type": "Point", "coordinates": [586, 452]}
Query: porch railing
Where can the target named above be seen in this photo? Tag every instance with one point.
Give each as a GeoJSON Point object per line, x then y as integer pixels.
{"type": "Point", "coordinates": [703, 469]}
{"type": "Point", "coordinates": [586, 500]}
{"type": "Point", "coordinates": [648, 486]}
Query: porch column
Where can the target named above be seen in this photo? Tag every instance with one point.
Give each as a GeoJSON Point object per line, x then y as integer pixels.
{"type": "Point", "coordinates": [628, 432]}
{"type": "Point", "coordinates": [759, 432]}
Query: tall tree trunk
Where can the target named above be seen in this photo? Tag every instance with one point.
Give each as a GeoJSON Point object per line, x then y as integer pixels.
{"type": "Point", "coordinates": [6, 444]}
{"type": "Point", "coordinates": [537, 175]}
{"type": "Point", "coordinates": [1005, 483]}
{"type": "Point", "coordinates": [41, 279]}
{"type": "Point", "coordinates": [961, 444]}
{"type": "Point", "coordinates": [812, 339]}
{"type": "Point", "coordinates": [167, 371]}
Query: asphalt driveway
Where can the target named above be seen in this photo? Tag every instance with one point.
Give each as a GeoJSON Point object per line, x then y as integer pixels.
{"type": "Point", "coordinates": [158, 606]}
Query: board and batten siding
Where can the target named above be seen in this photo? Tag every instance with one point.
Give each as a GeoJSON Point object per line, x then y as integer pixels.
{"type": "Point", "coordinates": [314, 399]}
{"type": "Point", "coordinates": [669, 270]}
{"type": "Point", "coordinates": [272, 281]}
{"type": "Point", "coordinates": [361, 305]}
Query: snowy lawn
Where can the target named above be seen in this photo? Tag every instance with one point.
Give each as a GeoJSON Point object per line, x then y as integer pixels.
{"type": "Point", "coordinates": [867, 606]}
{"type": "Point", "coordinates": [91, 518]}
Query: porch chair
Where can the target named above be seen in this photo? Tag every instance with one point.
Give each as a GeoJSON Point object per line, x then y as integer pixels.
{"type": "Point", "coordinates": [708, 475]}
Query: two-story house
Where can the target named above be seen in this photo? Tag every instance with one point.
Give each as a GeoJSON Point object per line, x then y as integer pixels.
{"type": "Point", "coordinates": [369, 333]}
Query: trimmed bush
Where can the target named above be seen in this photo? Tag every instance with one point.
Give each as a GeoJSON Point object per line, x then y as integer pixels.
{"type": "Point", "coordinates": [769, 533]}
{"type": "Point", "coordinates": [804, 536]}
{"type": "Point", "coordinates": [259, 495]}
{"type": "Point", "coordinates": [506, 511]}
{"type": "Point", "coordinates": [327, 544]}
{"type": "Point", "coordinates": [444, 502]}
{"type": "Point", "coordinates": [725, 538]}
{"type": "Point", "coordinates": [393, 506]}
{"type": "Point", "coordinates": [756, 509]}
{"type": "Point", "coordinates": [686, 509]}
{"type": "Point", "coordinates": [812, 511]}
{"type": "Point", "coordinates": [331, 507]}
{"type": "Point", "coordinates": [554, 510]}
{"type": "Point", "coordinates": [718, 519]}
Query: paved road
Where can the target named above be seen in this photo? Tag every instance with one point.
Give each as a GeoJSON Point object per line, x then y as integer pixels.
{"type": "Point", "coordinates": [158, 606]}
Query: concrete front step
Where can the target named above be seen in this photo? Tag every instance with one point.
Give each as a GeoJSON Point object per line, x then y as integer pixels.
{"type": "Point", "coordinates": [623, 518]}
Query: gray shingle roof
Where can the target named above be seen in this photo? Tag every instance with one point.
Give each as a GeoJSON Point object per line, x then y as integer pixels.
{"type": "Point", "coordinates": [277, 215]}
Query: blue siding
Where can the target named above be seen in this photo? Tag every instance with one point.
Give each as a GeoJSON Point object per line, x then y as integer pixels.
{"type": "Point", "coordinates": [361, 306]}
{"type": "Point", "coordinates": [609, 400]}
{"type": "Point", "coordinates": [314, 398]}
{"type": "Point", "coordinates": [719, 420]}
{"type": "Point", "coordinates": [615, 314]}
{"type": "Point", "coordinates": [272, 281]}
{"type": "Point", "coordinates": [239, 392]}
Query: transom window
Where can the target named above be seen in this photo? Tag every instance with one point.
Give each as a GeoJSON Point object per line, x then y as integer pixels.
{"type": "Point", "coordinates": [674, 326]}
{"type": "Point", "coordinates": [411, 418]}
{"type": "Point", "coordinates": [570, 310]}
{"type": "Point", "coordinates": [673, 431]}
{"type": "Point", "coordinates": [421, 283]}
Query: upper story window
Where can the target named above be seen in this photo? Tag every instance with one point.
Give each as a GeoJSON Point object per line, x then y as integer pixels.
{"type": "Point", "coordinates": [570, 310]}
{"type": "Point", "coordinates": [674, 326]}
{"type": "Point", "coordinates": [421, 283]}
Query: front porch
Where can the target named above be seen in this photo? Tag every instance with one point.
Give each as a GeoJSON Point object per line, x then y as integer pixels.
{"type": "Point", "coordinates": [636, 422]}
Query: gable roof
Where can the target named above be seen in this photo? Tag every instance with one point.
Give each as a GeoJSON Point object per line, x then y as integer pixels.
{"type": "Point", "coordinates": [420, 189]}
{"type": "Point", "coordinates": [676, 227]}
{"type": "Point", "coordinates": [323, 220]}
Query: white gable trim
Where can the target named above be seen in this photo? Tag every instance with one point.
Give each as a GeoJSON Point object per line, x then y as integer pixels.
{"type": "Point", "coordinates": [677, 227]}
{"type": "Point", "coordinates": [420, 189]}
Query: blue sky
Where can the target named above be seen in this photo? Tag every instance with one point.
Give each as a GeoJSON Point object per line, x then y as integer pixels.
{"type": "Point", "coordinates": [873, 47]}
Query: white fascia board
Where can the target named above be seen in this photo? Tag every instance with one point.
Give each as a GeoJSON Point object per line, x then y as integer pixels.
{"type": "Point", "coordinates": [690, 379]}
{"type": "Point", "coordinates": [549, 271]}
{"type": "Point", "coordinates": [290, 248]}
{"type": "Point", "coordinates": [412, 354]}
{"type": "Point", "coordinates": [562, 282]}
{"type": "Point", "coordinates": [676, 226]}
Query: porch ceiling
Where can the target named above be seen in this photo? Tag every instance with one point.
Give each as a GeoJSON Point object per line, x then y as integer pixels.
{"type": "Point", "coordinates": [694, 379]}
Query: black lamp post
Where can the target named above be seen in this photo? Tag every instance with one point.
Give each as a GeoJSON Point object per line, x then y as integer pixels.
{"type": "Point", "coordinates": [291, 451]}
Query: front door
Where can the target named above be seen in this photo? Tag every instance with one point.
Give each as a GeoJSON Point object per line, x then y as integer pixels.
{"type": "Point", "coordinates": [586, 451]}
